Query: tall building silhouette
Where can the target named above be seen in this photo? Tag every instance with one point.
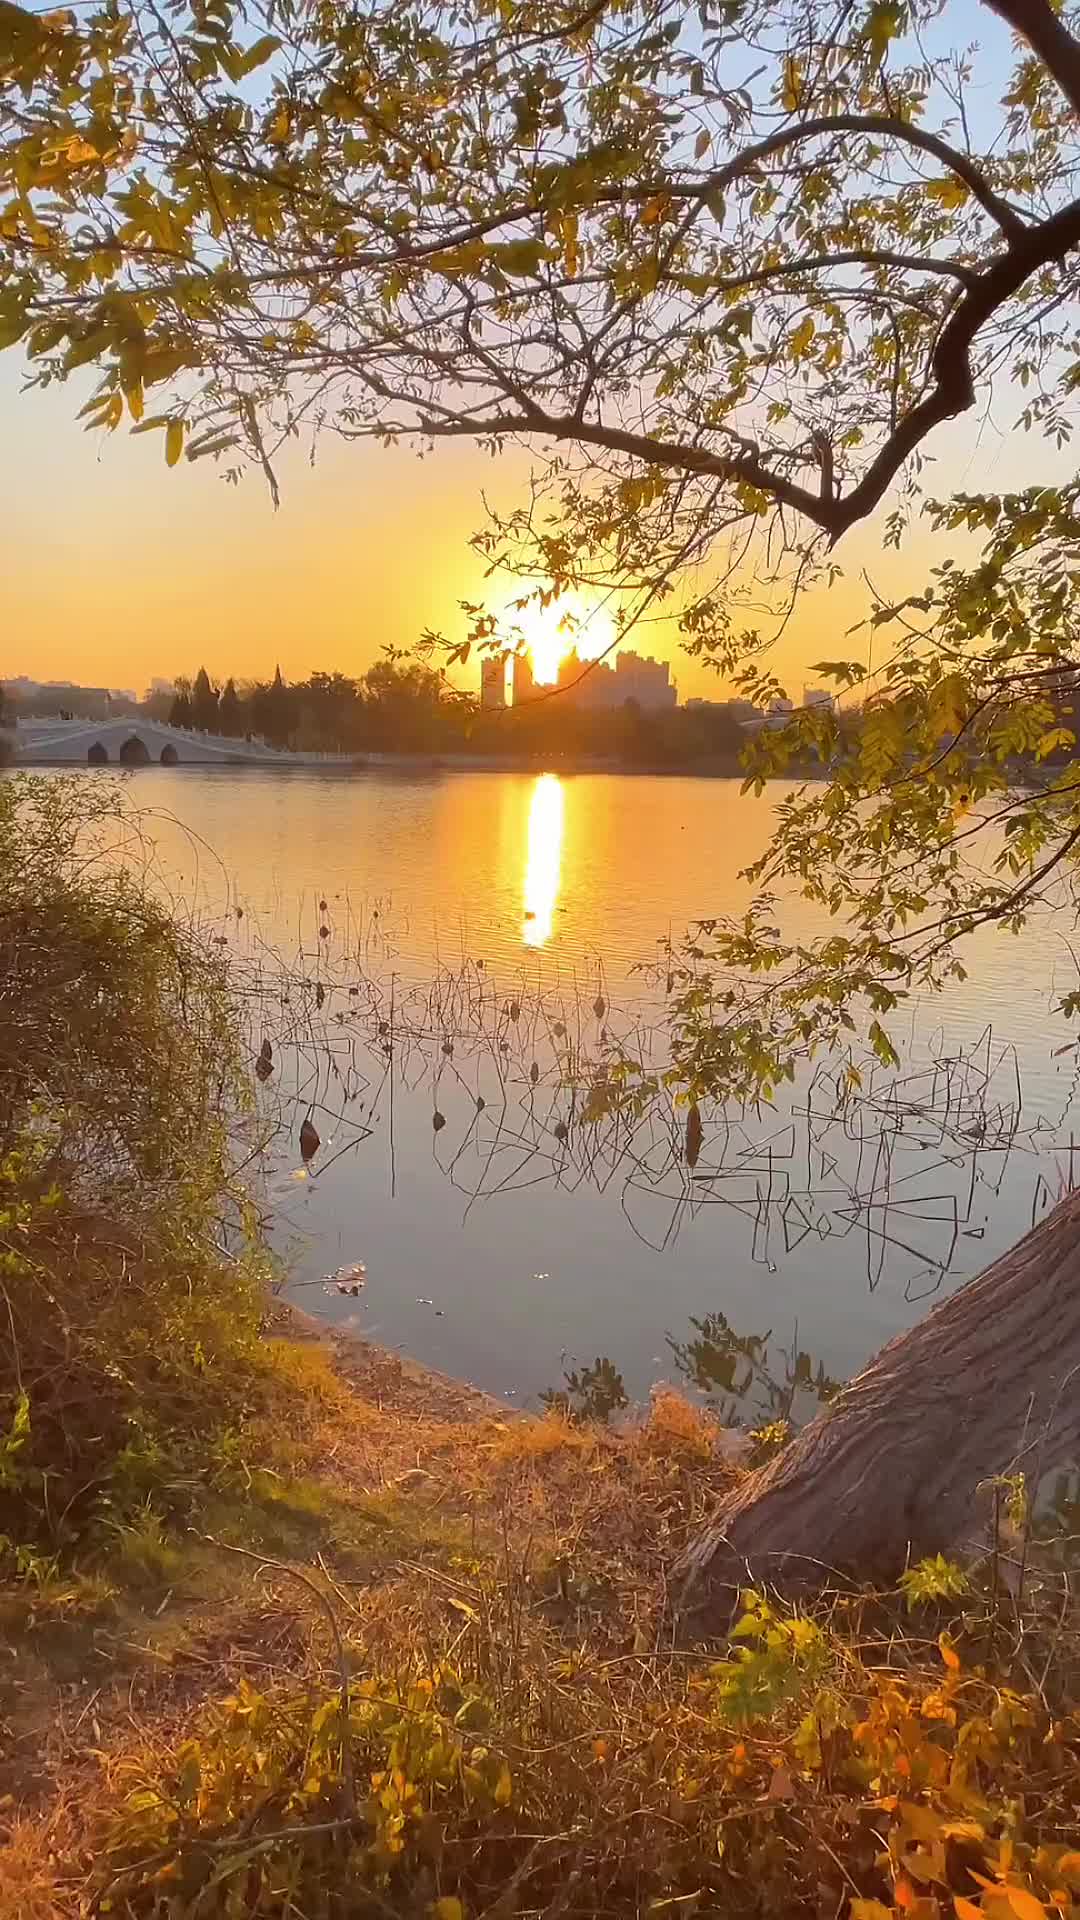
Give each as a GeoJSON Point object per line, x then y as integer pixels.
{"type": "Point", "coordinates": [493, 680]}
{"type": "Point", "coordinates": [524, 683]}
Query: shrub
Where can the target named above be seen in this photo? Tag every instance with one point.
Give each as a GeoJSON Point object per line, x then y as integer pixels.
{"type": "Point", "coordinates": [127, 1332]}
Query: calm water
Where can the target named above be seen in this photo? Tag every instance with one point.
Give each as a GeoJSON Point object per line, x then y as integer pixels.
{"type": "Point", "coordinates": [450, 937]}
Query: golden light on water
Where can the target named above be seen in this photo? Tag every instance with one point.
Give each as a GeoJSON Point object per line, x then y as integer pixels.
{"type": "Point", "coordinates": [543, 863]}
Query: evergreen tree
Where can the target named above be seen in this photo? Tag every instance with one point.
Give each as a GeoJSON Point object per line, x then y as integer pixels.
{"type": "Point", "coordinates": [204, 702]}
{"type": "Point", "coordinates": [230, 718]}
{"type": "Point", "coordinates": [274, 711]}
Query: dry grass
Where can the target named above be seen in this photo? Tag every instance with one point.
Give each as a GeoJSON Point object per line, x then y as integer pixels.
{"type": "Point", "coordinates": [525, 1737]}
{"type": "Point", "coordinates": [30, 1886]}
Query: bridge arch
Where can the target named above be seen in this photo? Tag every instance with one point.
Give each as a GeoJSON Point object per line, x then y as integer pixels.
{"type": "Point", "coordinates": [134, 752]}
{"type": "Point", "coordinates": [97, 755]}
{"type": "Point", "coordinates": [169, 756]}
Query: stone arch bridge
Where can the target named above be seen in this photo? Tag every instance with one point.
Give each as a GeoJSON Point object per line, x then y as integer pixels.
{"type": "Point", "coordinates": [138, 742]}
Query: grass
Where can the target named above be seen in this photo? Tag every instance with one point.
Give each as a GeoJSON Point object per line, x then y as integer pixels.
{"type": "Point", "coordinates": [522, 1732]}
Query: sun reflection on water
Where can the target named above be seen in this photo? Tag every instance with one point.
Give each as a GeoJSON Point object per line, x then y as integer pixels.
{"type": "Point", "coordinates": [544, 860]}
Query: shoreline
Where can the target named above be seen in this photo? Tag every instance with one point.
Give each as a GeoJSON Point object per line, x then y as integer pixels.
{"type": "Point", "coordinates": [562, 765]}
{"type": "Point", "coordinates": [383, 1375]}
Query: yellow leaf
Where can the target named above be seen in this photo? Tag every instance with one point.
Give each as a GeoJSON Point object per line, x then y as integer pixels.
{"type": "Point", "coordinates": [135, 401]}
{"type": "Point", "coordinates": [948, 193]}
{"type": "Point", "coordinates": [802, 337]}
{"type": "Point", "coordinates": [448, 1908]}
{"type": "Point", "coordinates": [966, 1909]}
{"type": "Point", "coordinates": [1024, 1904]}
{"type": "Point", "coordinates": [949, 1653]}
{"type": "Point", "coordinates": [791, 93]}
{"type": "Point", "coordinates": [504, 1787]}
{"type": "Point", "coordinates": [1069, 1863]}
{"type": "Point", "coordinates": [174, 442]}
{"type": "Point", "coordinates": [870, 1910]}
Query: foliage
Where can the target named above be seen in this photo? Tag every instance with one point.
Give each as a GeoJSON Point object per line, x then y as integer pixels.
{"type": "Point", "coordinates": [736, 256]}
{"type": "Point", "coordinates": [720, 1361]}
{"type": "Point", "coordinates": [402, 705]}
{"type": "Point", "coordinates": [934, 1579]}
{"type": "Point", "coordinates": [593, 1392]}
{"type": "Point", "coordinates": [820, 1761]}
{"type": "Point", "coordinates": [116, 1038]}
{"type": "Point", "coordinates": [784, 1655]}
{"type": "Point", "coordinates": [127, 1334]}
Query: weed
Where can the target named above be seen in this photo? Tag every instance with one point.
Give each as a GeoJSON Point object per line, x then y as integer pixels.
{"type": "Point", "coordinates": [142, 1551]}
{"type": "Point", "coordinates": [820, 1766]}
{"type": "Point", "coordinates": [934, 1579]}
{"type": "Point", "coordinates": [678, 1430]}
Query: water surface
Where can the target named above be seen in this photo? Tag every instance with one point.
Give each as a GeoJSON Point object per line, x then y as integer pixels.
{"type": "Point", "coordinates": [425, 908]}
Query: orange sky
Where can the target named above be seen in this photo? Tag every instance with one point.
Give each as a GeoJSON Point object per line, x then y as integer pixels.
{"type": "Point", "coordinates": [114, 569]}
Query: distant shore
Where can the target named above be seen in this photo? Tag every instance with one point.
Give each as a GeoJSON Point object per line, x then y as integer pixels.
{"type": "Point", "coordinates": [717, 767]}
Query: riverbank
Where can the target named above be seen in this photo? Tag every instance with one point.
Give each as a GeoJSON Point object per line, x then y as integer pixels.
{"type": "Point", "coordinates": [487, 1592]}
{"type": "Point", "coordinates": [291, 1627]}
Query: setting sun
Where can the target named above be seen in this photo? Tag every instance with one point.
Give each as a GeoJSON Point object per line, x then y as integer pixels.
{"type": "Point", "coordinates": [553, 631]}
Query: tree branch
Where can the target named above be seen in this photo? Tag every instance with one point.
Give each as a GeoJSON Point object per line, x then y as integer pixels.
{"type": "Point", "coordinates": [1046, 34]}
{"type": "Point", "coordinates": [882, 125]}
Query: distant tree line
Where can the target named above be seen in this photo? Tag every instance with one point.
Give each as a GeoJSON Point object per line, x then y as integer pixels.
{"type": "Point", "coordinates": [401, 706]}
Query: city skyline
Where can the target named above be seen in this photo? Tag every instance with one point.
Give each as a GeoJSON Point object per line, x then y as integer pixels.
{"type": "Point", "coordinates": [141, 560]}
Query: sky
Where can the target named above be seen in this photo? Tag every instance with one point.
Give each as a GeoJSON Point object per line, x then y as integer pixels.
{"type": "Point", "coordinates": [114, 569]}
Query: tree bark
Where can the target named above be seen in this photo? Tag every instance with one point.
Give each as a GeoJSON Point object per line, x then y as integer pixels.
{"type": "Point", "coordinates": [897, 1467]}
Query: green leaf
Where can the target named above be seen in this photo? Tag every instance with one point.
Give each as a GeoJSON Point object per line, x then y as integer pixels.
{"type": "Point", "coordinates": [259, 54]}
{"type": "Point", "coordinates": [883, 1046]}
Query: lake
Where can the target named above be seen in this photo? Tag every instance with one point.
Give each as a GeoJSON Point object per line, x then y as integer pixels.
{"type": "Point", "coordinates": [453, 940]}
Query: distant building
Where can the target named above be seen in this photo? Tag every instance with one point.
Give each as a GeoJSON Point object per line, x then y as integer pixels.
{"type": "Point", "coordinates": [493, 680]}
{"type": "Point", "coordinates": [597, 686]}
{"type": "Point", "coordinates": [585, 685]}
{"type": "Point", "coordinates": [817, 697]}
{"type": "Point", "coordinates": [645, 680]}
{"type": "Point", "coordinates": [524, 685]}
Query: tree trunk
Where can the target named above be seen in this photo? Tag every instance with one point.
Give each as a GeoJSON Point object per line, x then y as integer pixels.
{"type": "Point", "coordinates": [897, 1466]}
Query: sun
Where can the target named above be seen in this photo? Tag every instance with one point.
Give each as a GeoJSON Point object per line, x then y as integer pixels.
{"type": "Point", "coordinates": [553, 631]}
